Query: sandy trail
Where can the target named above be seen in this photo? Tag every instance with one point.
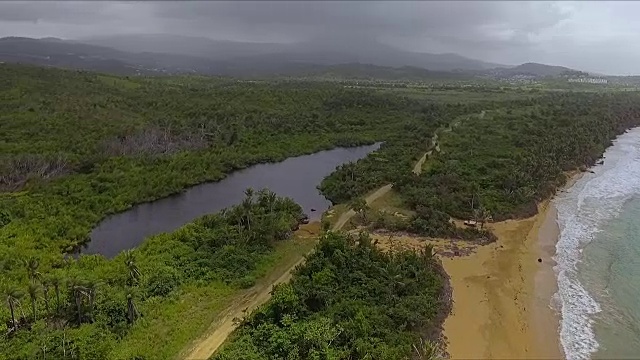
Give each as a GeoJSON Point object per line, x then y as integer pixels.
{"type": "Point", "coordinates": [347, 215]}
{"type": "Point", "coordinates": [260, 293]}
{"type": "Point", "coordinates": [257, 295]}
{"type": "Point", "coordinates": [418, 168]}
{"type": "Point", "coordinates": [245, 304]}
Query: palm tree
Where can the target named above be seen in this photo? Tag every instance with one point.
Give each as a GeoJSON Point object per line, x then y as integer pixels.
{"type": "Point", "coordinates": [13, 296]}
{"type": "Point", "coordinates": [32, 265]}
{"type": "Point", "coordinates": [249, 192]}
{"type": "Point", "coordinates": [427, 252]}
{"type": "Point", "coordinates": [476, 215]}
{"type": "Point", "coordinates": [45, 291]}
{"type": "Point", "coordinates": [246, 212]}
{"type": "Point", "coordinates": [132, 267]}
{"type": "Point", "coordinates": [78, 291]}
{"type": "Point", "coordinates": [485, 215]}
{"type": "Point", "coordinates": [360, 206]}
{"type": "Point", "coordinates": [33, 291]}
{"type": "Point", "coordinates": [475, 189]}
{"type": "Point", "coordinates": [246, 206]}
{"type": "Point", "coordinates": [90, 292]}
{"type": "Point", "coordinates": [427, 350]}
{"type": "Point", "coordinates": [56, 281]}
{"type": "Point", "coordinates": [132, 310]}
{"type": "Point", "coordinates": [271, 198]}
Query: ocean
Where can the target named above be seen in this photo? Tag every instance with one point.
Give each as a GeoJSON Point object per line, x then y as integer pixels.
{"type": "Point", "coordinates": [598, 257]}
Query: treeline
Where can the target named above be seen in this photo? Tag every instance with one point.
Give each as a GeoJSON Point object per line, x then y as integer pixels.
{"type": "Point", "coordinates": [397, 155]}
{"type": "Point", "coordinates": [349, 300]}
{"type": "Point", "coordinates": [81, 310]}
{"type": "Point", "coordinates": [88, 145]}
{"type": "Point", "coordinates": [513, 158]}
{"type": "Point", "coordinates": [491, 167]}
{"type": "Point", "coordinates": [78, 146]}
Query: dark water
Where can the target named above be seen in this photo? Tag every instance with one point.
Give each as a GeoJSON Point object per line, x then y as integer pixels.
{"type": "Point", "coordinates": [295, 177]}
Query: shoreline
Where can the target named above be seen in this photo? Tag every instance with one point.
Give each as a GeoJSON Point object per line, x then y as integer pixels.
{"type": "Point", "coordinates": [503, 294]}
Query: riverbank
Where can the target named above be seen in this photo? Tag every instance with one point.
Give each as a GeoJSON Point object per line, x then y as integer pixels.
{"type": "Point", "coordinates": [498, 310]}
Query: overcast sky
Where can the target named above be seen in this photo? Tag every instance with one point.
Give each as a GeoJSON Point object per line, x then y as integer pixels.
{"type": "Point", "coordinates": [593, 36]}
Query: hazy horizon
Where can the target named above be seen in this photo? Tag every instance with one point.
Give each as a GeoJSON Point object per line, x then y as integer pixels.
{"type": "Point", "coordinates": [589, 36]}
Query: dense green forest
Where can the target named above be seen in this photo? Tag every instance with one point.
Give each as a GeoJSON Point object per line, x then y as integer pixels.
{"type": "Point", "coordinates": [82, 310]}
{"type": "Point", "coordinates": [497, 166]}
{"type": "Point", "coordinates": [89, 145]}
{"type": "Point", "coordinates": [78, 146]}
{"type": "Point", "coordinates": [511, 159]}
{"type": "Point", "coordinates": [348, 301]}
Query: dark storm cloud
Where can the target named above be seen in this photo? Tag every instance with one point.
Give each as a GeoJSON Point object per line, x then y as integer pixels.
{"type": "Point", "coordinates": [57, 12]}
{"type": "Point", "coordinates": [376, 19]}
{"type": "Point", "coordinates": [595, 35]}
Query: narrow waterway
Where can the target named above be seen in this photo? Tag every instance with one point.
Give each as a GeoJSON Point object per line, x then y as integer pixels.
{"type": "Point", "coordinates": [296, 177]}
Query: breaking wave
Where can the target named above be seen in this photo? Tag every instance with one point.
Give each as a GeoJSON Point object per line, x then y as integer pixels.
{"type": "Point", "coordinates": [582, 211]}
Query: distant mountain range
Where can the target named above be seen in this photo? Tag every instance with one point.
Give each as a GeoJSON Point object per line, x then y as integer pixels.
{"type": "Point", "coordinates": [534, 69]}
{"type": "Point", "coordinates": [170, 54]}
{"type": "Point", "coordinates": [321, 51]}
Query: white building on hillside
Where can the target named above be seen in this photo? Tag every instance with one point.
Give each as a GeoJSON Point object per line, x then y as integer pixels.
{"type": "Point", "coordinates": [589, 80]}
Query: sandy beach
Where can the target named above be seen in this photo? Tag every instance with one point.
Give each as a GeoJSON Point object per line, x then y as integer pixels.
{"type": "Point", "coordinates": [502, 293]}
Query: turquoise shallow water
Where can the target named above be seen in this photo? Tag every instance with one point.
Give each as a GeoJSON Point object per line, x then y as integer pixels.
{"type": "Point", "coordinates": [610, 272]}
{"type": "Point", "coordinates": [598, 257]}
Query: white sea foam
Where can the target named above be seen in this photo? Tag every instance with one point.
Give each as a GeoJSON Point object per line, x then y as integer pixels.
{"type": "Point", "coordinates": [590, 203]}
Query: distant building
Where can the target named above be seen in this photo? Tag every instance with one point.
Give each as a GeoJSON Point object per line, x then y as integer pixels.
{"type": "Point", "coordinates": [589, 80]}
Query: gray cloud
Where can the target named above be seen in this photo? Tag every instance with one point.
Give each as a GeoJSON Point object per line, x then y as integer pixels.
{"type": "Point", "coordinates": [595, 36]}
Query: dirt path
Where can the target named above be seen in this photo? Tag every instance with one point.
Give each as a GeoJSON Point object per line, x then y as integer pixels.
{"type": "Point", "coordinates": [260, 293]}
{"type": "Point", "coordinates": [242, 306]}
{"type": "Point", "coordinates": [247, 301]}
{"type": "Point", "coordinates": [418, 168]}
{"type": "Point", "coordinates": [345, 217]}
{"type": "Point", "coordinates": [256, 296]}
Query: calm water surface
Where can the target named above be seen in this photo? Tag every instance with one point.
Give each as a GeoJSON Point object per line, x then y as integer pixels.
{"type": "Point", "coordinates": [295, 177]}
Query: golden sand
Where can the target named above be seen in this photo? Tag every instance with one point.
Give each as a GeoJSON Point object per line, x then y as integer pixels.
{"type": "Point", "coordinates": [502, 293]}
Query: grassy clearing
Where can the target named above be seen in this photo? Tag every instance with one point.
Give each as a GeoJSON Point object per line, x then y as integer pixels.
{"type": "Point", "coordinates": [171, 324]}
{"type": "Point", "coordinates": [332, 215]}
{"type": "Point", "coordinates": [391, 202]}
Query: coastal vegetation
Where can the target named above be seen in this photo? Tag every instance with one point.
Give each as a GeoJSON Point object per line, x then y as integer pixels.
{"type": "Point", "coordinates": [495, 166]}
{"type": "Point", "coordinates": [79, 146]}
{"type": "Point", "coordinates": [82, 310]}
{"type": "Point", "coordinates": [349, 300]}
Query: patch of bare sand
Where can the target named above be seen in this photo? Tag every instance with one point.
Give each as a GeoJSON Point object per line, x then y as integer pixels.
{"type": "Point", "coordinates": [496, 300]}
{"type": "Point", "coordinates": [388, 241]}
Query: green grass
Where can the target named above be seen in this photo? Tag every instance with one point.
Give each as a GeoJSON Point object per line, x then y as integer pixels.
{"type": "Point", "coordinates": [332, 215]}
{"type": "Point", "coordinates": [391, 202]}
{"type": "Point", "coordinates": [171, 324]}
